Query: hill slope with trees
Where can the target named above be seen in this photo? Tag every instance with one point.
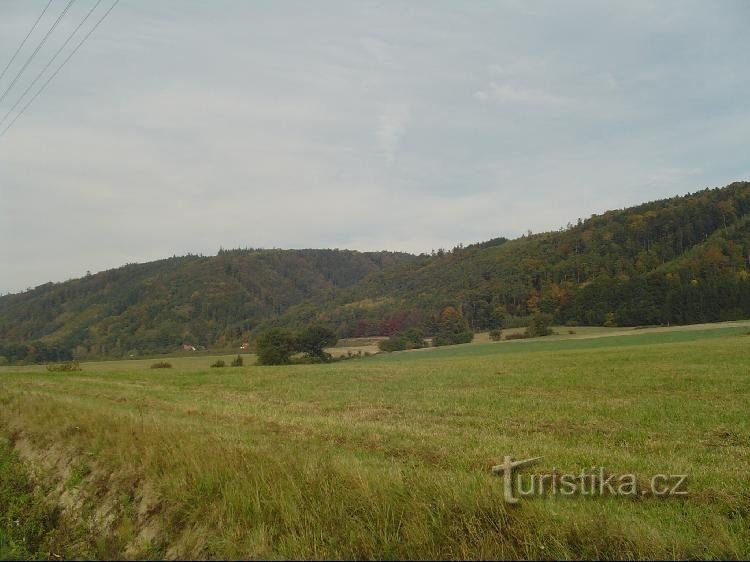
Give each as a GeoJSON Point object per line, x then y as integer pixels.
{"type": "Point", "coordinates": [679, 260]}
{"type": "Point", "coordinates": [675, 261]}
{"type": "Point", "coordinates": [159, 306]}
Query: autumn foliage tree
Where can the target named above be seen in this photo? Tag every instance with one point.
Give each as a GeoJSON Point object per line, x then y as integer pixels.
{"type": "Point", "coordinates": [451, 328]}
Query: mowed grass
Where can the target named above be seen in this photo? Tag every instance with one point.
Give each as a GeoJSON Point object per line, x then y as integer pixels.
{"type": "Point", "coordinates": [390, 456]}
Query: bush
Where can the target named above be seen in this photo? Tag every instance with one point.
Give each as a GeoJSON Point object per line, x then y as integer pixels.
{"type": "Point", "coordinates": [65, 367]}
{"type": "Point", "coordinates": [161, 365]}
{"type": "Point", "coordinates": [410, 339]}
{"type": "Point", "coordinates": [237, 361]}
{"type": "Point", "coordinates": [496, 334]}
{"type": "Point", "coordinates": [539, 325]}
{"type": "Point", "coordinates": [519, 336]}
{"type": "Point", "coordinates": [313, 340]}
{"type": "Point", "coordinates": [452, 338]}
{"type": "Point", "coordinates": [275, 347]}
{"type": "Point", "coordinates": [414, 338]}
{"type": "Point", "coordinates": [218, 363]}
{"type": "Point", "coordinates": [394, 343]}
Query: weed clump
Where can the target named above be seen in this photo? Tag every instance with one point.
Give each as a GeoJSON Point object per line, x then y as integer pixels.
{"type": "Point", "coordinates": [161, 365]}
{"type": "Point", "coordinates": [237, 361]}
{"type": "Point", "coordinates": [218, 364]}
{"type": "Point", "coordinates": [26, 517]}
{"type": "Point", "coordinates": [65, 367]}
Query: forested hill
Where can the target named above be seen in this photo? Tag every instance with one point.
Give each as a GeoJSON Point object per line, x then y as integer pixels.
{"type": "Point", "coordinates": [158, 306]}
{"type": "Point", "coordinates": [679, 260]}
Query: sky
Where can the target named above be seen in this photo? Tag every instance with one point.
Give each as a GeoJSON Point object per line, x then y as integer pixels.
{"type": "Point", "coordinates": [184, 126]}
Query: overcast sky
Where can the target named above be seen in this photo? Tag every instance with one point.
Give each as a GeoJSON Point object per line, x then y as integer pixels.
{"type": "Point", "coordinates": [185, 126]}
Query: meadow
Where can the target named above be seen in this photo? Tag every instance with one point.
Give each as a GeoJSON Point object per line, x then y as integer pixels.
{"type": "Point", "coordinates": [388, 456]}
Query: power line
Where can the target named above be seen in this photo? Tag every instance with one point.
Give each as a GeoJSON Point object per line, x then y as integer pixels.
{"type": "Point", "coordinates": [33, 27]}
{"type": "Point", "coordinates": [38, 76]}
{"type": "Point", "coordinates": [59, 68]}
{"type": "Point", "coordinates": [41, 44]}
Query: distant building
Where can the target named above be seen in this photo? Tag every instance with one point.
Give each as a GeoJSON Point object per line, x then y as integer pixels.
{"type": "Point", "coordinates": [245, 345]}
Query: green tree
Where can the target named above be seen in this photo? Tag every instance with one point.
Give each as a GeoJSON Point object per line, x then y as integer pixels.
{"type": "Point", "coordinates": [414, 338]}
{"type": "Point", "coordinates": [313, 340]}
{"type": "Point", "coordinates": [539, 325]}
{"type": "Point", "coordinates": [451, 328]}
{"type": "Point", "coordinates": [275, 347]}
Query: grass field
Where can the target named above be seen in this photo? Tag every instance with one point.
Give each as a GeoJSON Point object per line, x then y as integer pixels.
{"type": "Point", "coordinates": [384, 457]}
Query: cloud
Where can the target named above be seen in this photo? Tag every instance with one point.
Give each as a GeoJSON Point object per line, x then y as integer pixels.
{"type": "Point", "coordinates": [376, 48]}
{"type": "Point", "coordinates": [392, 125]}
{"type": "Point", "coordinates": [669, 177]}
{"type": "Point", "coordinates": [511, 94]}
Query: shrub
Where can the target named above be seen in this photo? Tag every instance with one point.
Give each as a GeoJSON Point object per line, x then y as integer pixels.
{"type": "Point", "coordinates": [218, 363]}
{"type": "Point", "coordinates": [394, 343]}
{"type": "Point", "coordinates": [610, 320]}
{"type": "Point", "coordinates": [313, 340]}
{"type": "Point", "coordinates": [496, 334]}
{"type": "Point", "coordinates": [539, 325]}
{"type": "Point", "coordinates": [161, 365]}
{"type": "Point", "coordinates": [65, 367]}
{"type": "Point", "coordinates": [237, 361]}
{"type": "Point", "coordinates": [414, 338]}
{"type": "Point", "coordinates": [519, 336]}
{"type": "Point", "coordinates": [275, 347]}
{"type": "Point", "coordinates": [452, 338]}
{"type": "Point", "coordinates": [410, 339]}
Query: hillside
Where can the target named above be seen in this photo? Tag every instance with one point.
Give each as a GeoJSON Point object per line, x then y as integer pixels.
{"type": "Point", "coordinates": [158, 306]}
{"type": "Point", "coordinates": [676, 261]}
{"type": "Point", "coordinates": [679, 260]}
